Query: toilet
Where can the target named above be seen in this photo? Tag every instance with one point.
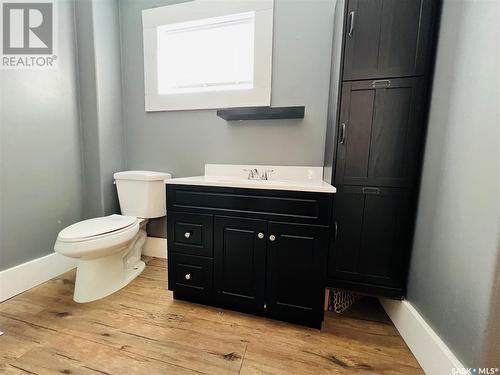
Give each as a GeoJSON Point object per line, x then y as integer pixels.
{"type": "Point", "coordinates": [109, 248]}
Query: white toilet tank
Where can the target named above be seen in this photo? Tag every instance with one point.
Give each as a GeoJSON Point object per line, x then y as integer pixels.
{"type": "Point", "coordinates": [141, 193]}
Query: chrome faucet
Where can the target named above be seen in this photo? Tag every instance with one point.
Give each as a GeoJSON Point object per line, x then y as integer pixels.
{"type": "Point", "coordinates": [253, 174]}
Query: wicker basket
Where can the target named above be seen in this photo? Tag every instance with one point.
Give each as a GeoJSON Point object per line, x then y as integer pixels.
{"type": "Point", "coordinates": [341, 300]}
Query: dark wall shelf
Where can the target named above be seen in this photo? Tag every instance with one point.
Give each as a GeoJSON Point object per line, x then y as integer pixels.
{"type": "Point", "coordinates": [261, 113]}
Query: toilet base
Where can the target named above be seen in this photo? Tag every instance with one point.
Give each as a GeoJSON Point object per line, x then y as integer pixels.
{"type": "Point", "coordinates": [99, 277]}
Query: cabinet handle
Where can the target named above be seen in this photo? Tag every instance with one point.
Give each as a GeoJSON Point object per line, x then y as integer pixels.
{"type": "Point", "coordinates": [187, 234]}
{"type": "Point", "coordinates": [187, 276]}
{"type": "Point", "coordinates": [381, 83]}
{"type": "Point", "coordinates": [371, 190]}
{"type": "Point", "coordinates": [260, 235]}
{"type": "Point", "coordinates": [272, 237]}
{"type": "Point", "coordinates": [336, 231]}
{"type": "Point", "coordinates": [351, 24]}
{"type": "Point", "coordinates": [342, 133]}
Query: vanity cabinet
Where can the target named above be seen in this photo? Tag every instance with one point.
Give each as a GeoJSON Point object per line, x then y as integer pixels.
{"type": "Point", "coordinates": [252, 250]}
{"type": "Point", "coordinates": [387, 38]}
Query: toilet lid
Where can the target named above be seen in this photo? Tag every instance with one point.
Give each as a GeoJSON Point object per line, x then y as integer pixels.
{"type": "Point", "coordinates": [95, 227]}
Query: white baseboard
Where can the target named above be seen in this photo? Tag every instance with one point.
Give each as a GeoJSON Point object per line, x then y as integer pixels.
{"type": "Point", "coordinates": [427, 347]}
{"type": "Point", "coordinates": [155, 247]}
{"type": "Point", "coordinates": [25, 276]}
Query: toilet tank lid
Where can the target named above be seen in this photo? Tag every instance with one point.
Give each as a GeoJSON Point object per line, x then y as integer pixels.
{"type": "Point", "coordinates": [142, 175]}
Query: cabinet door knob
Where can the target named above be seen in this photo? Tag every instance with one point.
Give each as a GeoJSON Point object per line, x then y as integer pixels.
{"type": "Point", "coordinates": [260, 235]}
{"type": "Point", "coordinates": [187, 234]}
{"type": "Point", "coordinates": [272, 237]}
{"type": "Point", "coordinates": [187, 276]}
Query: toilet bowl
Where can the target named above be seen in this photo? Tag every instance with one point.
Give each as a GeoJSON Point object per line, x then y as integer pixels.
{"type": "Point", "coordinates": [109, 248]}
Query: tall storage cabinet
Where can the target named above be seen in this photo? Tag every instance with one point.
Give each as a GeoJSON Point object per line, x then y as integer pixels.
{"type": "Point", "coordinates": [379, 128]}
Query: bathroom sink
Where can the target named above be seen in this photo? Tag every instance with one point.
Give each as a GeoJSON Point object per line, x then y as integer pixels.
{"type": "Point", "coordinates": [281, 178]}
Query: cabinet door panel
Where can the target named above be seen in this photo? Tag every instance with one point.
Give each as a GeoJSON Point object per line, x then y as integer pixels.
{"type": "Point", "coordinates": [388, 133]}
{"type": "Point", "coordinates": [295, 273]}
{"type": "Point", "coordinates": [399, 37]}
{"type": "Point", "coordinates": [380, 133]}
{"type": "Point", "coordinates": [240, 257]}
{"type": "Point", "coordinates": [389, 38]}
{"type": "Point", "coordinates": [362, 44]}
{"type": "Point", "coordinates": [372, 241]}
{"type": "Point", "coordinates": [358, 130]}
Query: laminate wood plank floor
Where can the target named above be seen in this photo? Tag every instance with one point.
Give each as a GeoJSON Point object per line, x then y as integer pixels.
{"type": "Point", "coordinates": [142, 330]}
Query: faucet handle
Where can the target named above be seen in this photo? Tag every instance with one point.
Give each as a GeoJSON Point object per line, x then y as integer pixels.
{"type": "Point", "coordinates": [265, 175]}
{"type": "Point", "coordinates": [251, 173]}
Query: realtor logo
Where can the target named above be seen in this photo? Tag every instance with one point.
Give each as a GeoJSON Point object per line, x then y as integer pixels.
{"type": "Point", "coordinates": [27, 28]}
{"type": "Point", "coordinates": [28, 35]}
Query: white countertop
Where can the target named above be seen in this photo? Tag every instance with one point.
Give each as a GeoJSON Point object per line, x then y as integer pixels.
{"type": "Point", "coordinates": [282, 178]}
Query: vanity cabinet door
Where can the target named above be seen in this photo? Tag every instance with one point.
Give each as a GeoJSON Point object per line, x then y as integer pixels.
{"type": "Point", "coordinates": [296, 270]}
{"type": "Point", "coordinates": [240, 260]}
{"type": "Point", "coordinates": [387, 38]}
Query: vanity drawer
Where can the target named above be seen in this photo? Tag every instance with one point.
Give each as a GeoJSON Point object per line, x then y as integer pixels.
{"type": "Point", "coordinates": [279, 205]}
{"type": "Point", "coordinates": [190, 234]}
{"type": "Point", "coordinates": [190, 275]}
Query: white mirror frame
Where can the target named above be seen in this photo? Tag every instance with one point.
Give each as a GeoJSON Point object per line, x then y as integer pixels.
{"type": "Point", "coordinates": [260, 95]}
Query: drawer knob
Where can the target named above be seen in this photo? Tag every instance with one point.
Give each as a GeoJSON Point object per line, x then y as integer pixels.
{"type": "Point", "coordinates": [187, 276]}
{"type": "Point", "coordinates": [260, 235]}
{"type": "Point", "coordinates": [272, 237]}
{"type": "Point", "coordinates": [187, 234]}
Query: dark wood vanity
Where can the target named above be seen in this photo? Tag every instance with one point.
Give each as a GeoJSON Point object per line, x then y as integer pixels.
{"type": "Point", "coordinates": [273, 252]}
{"type": "Point", "coordinates": [252, 250]}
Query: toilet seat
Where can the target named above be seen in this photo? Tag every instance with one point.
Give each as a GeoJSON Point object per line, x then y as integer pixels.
{"type": "Point", "coordinates": [95, 237]}
{"type": "Point", "coordinates": [99, 227]}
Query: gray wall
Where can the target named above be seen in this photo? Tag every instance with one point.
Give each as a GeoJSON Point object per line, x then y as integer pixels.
{"type": "Point", "coordinates": [100, 103]}
{"type": "Point", "coordinates": [335, 81]}
{"type": "Point", "coordinates": [456, 241]}
{"type": "Point", "coordinates": [182, 142]}
{"type": "Point", "coordinates": [109, 103]}
{"type": "Point", "coordinates": [40, 166]}
{"type": "Point", "coordinates": [93, 205]}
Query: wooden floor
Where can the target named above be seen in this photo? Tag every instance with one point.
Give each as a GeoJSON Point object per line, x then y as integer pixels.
{"type": "Point", "coordinates": [141, 330]}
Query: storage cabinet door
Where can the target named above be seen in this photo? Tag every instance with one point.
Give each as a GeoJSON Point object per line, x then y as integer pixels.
{"type": "Point", "coordinates": [379, 132]}
{"type": "Point", "coordinates": [240, 258]}
{"type": "Point", "coordinates": [387, 38]}
{"type": "Point", "coordinates": [295, 271]}
{"type": "Point", "coordinates": [372, 235]}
